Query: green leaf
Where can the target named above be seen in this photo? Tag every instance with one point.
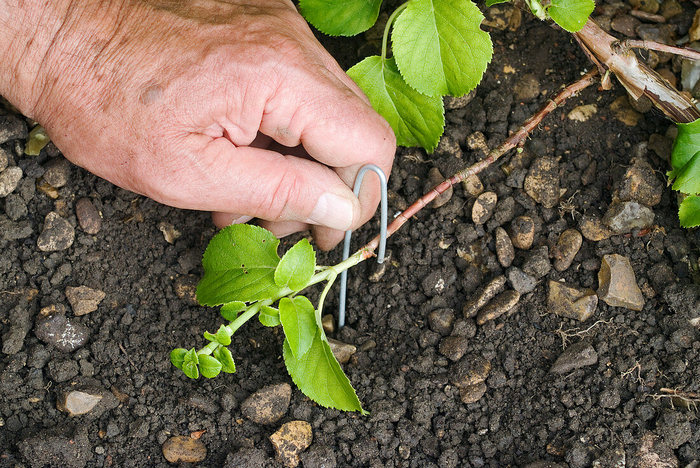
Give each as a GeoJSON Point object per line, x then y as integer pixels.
{"type": "Point", "coordinates": [495, 2]}
{"type": "Point", "coordinates": [239, 265]}
{"type": "Point", "coordinates": [226, 360]}
{"type": "Point", "coordinates": [319, 376]}
{"type": "Point", "coordinates": [177, 356]}
{"type": "Point", "coordinates": [688, 178]}
{"type": "Point", "coordinates": [341, 17]}
{"type": "Point", "coordinates": [571, 14]}
{"type": "Point", "coordinates": [685, 146]}
{"type": "Point", "coordinates": [416, 119]}
{"type": "Point", "coordinates": [689, 211]}
{"type": "Point", "coordinates": [298, 318]}
{"type": "Point", "coordinates": [209, 366]}
{"type": "Point", "coordinates": [189, 364]}
{"type": "Point", "coordinates": [222, 337]}
{"type": "Point", "coordinates": [296, 267]}
{"type": "Point", "coordinates": [230, 311]}
{"type": "Point", "coordinates": [269, 316]}
{"type": "Point", "coordinates": [440, 47]}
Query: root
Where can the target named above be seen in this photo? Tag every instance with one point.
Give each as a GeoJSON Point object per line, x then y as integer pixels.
{"type": "Point", "coordinates": [566, 335]}
{"type": "Point", "coordinates": [688, 400]}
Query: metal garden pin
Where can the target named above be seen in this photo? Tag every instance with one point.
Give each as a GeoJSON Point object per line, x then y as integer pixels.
{"type": "Point", "coordinates": [382, 235]}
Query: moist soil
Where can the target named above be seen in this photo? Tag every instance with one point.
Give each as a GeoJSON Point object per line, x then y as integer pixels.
{"type": "Point", "coordinates": [602, 412]}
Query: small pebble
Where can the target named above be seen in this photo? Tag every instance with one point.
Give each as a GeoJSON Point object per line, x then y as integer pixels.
{"type": "Point", "coordinates": [84, 300]}
{"type": "Point", "coordinates": [290, 440]}
{"type": "Point", "coordinates": [483, 207]}
{"type": "Point", "coordinates": [472, 306]}
{"type": "Point", "coordinates": [15, 207]}
{"type": "Point", "coordinates": [571, 302]}
{"type": "Point", "coordinates": [623, 217]}
{"type": "Point", "coordinates": [454, 347]}
{"type": "Point", "coordinates": [4, 159]}
{"type": "Point", "coordinates": [617, 284]}
{"type": "Point", "coordinates": [566, 248]}
{"type": "Point", "coordinates": [12, 128]}
{"type": "Point", "coordinates": [498, 306]}
{"type": "Point", "coordinates": [536, 262]}
{"type": "Point", "coordinates": [470, 370]}
{"type": "Point", "coordinates": [184, 449]}
{"type": "Point", "coordinates": [9, 179]}
{"type": "Point", "coordinates": [577, 355]}
{"type": "Point", "coordinates": [78, 402]}
{"type": "Point", "coordinates": [88, 217]}
{"type": "Point", "coordinates": [57, 172]}
{"type": "Point", "coordinates": [473, 186]}
{"type": "Point", "coordinates": [593, 229]}
{"type": "Point", "coordinates": [328, 323]}
{"type": "Point", "coordinates": [527, 88]}
{"type": "Point", "coordinates": [434, 178]}
{"type": "Point", "coordinates": [57, 234]}
{"type": "Point", "coordinates": [472, 393]}
{"type": "Point", "coordinates": [267, 405]}
{"type": "Point", "coordinates": [60, 332]}
{"type": "Point", "coordinates": [640, 184]}
{"type": "Point", "coordinates": [522, 232]}
{"type": "Point", "coordinates": [342, 351]}
{"type": "Point", "coordinates": [542, 181]}
{"type": "Point", "coordinates": [504, 248]}
{"type": "Point", "coordinates": [521, 281]}
{"type": "Point", "coordinates": [441, 320]}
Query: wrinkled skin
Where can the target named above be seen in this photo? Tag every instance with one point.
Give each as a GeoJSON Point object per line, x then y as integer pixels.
{"type": "Point", "coordinates": [200, 105]}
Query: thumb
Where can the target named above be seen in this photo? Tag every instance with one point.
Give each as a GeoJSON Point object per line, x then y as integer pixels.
{"type": "Point", "coordinates": [268, 185]}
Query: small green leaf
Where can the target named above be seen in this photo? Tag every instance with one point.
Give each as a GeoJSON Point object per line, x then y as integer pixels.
{"type": "Point", "coordinates": [239, 265]}
{"type": "Point", "coordinates": [571, 14]}
{"type": "Point", "coordinates": [689, 211]}
{"type": "Point", "coordinates": [685, 146]}
{"type": "Point", "coordinates": [416, 119]}
{"type": "Point", "coordinates": [226, 360]}
{"type": "Point", "coordinates": [230, 310]}
{"type": "Point", "coordinates": [688, 178]}
{"type": "Point", "coordinates": [177, 356]}
{"type": "Point", "coordinates": [439, 46]}
{"type": "Point", "coordinates": [495, 2]}
{"type": "Point", "coordinates": [341, 17]}
{"type": "Point", "coordinates": [222, 337]}
{"type": "Point", "coordinates": [209, 366]}
{"type": "Point", "coordinates": [189, 364]}
{"type": "Point", "coordinates": [298, 318]}
{"type": "Point", "coordinates": [319, 376]}
{"type": "Point", "coordinates": [296, 267]}
{"type": "Point", "coordinates": [269, 316]}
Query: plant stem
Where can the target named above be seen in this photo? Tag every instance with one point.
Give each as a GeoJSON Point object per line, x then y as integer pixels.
{"type": "Point", "coordinates": [387, 28]}
{"type": "Point", "coordinates": [319, 309]}
{"type": "Point", "coordinates": [236, 324]}
{"type": "Point", "coordinates": [651, 45]}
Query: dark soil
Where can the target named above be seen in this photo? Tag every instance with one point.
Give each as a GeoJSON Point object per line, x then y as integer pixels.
{"type": "Point", "coordinates": [417, 418]}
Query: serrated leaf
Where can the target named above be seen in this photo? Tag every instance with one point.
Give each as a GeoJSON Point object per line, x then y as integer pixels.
{"type": "Point", "coordinates": [226, 360]}
{"type": "Point", "coordinates": [341, 17]}
{"type": "Point", "coordinates": [688, 178]}
{"type": "Point", "coordinates": [209, 366]}
{"type": "Point", "coordinates": [319, 376]}
{"type": "Point", "coordinates": [571, 14]}
{"type": "Point", "coordinates": [189, 364]}
{"type": "Point", "coordinates": [239, 265]}
{"type": "Point", "coordinates": [685, 146]}
{"type": "Point", "coordinates": [230, 311]}
{"type": "Point", "coordinates": [439, 46]}
{"type": "Point", "coordinates": [177, 356]}
{"type": "Point", "coordinates": [269, 316]}
{"type": "Point", "coordinates": [298, 318]}
{"type": "Point", "coordinates": [296, 267]}
{"type": "Point", "coordinates": [495, 2]}
{"type": "Point", "coordinates": [222, 337]}
{"type": "Point", "coordinates": [416, 119]}
{"type": "Point", "coordinates": [689, 211]}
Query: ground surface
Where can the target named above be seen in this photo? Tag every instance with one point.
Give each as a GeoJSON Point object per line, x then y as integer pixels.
{"type": "Point", "coordinates": [400, 371]}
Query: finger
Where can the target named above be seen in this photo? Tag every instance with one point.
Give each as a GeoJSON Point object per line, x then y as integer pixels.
{"type": "Point", "coordinates": [284, 228]}
{"type": "Point", "coordinates": [217, 176]}
{"type": "Point", "coordinates": [222, 219]}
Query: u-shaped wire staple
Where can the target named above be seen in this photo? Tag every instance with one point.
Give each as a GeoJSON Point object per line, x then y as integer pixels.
{"type": "Point", "coordinates": [382, 235]}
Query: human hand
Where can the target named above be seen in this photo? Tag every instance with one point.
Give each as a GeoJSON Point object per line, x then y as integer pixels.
{"type": "Point", "coordinates": [199, 106]}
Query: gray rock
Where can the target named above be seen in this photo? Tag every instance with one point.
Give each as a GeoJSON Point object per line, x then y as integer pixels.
{"type": "Point", "coordinates": [522, 232]}
{"type": "Point", "coordinates": [483, 207]}
{"type": "Point", "coordinates": [617, 285]}
{"type": "Point", "coordinates": [504, 248]}
{"type": "Point", "coordinates": [78, 402]}
{"type": "Point", "coordinates": [15, 207]}
{"type": "Point", "coordinates": [542, 181]}
{"type": "Point", "coordinates": [521, 281]}
{"type": "Point", "coordinates": [441, 320]}
{"type": "Point", "coordinates": [575, 356]}
{"type": "Point", "coordinates": [505, 211]}
{"type": "Point", "coordinates": [566, 248]}
{"type": "Point", "coordinates": [454, 347]}
{"type": "Point", "coordinates": [342, 351]}
{"type": "Point", "coordinates": [470, 370]}
{"type": "Point", "coordinates": [536, 263]}
{"type": "Point", "coordinates": [19, 326]}
{"type": "Point", "coordinates": [290, 440]}
{"type": "Point", "coordinates": [12, 128]}
{"type": "Point", "coordinates": [498, 306]}
{"type": "Point", "coordinates": [640, 185]}
{"type": "Point", "coordinates": [9, 178]}
{"type": "Point", "coordinates": [64, 445]}
{"type": "Point", "coordinates": [571, 302]}
{"type": "Point", "coordinates": [472, 306]}
{"type": "Point", "coordinates": [58, 234]}
{"type": "Point", "coordinates": [434, 178]}
{"type": "Point", "coordinates": [84, 300]}
{"type": "Point", "coordinates": [89, 218]}
{"type": "Point", "coordinates": [60, 332]}
{"type": "Point", "coordinates": [623, 217]}
{"type": "Point", "coordinates": [57, 172]}
{"type": "Point", "coordinates": [267, 405]}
